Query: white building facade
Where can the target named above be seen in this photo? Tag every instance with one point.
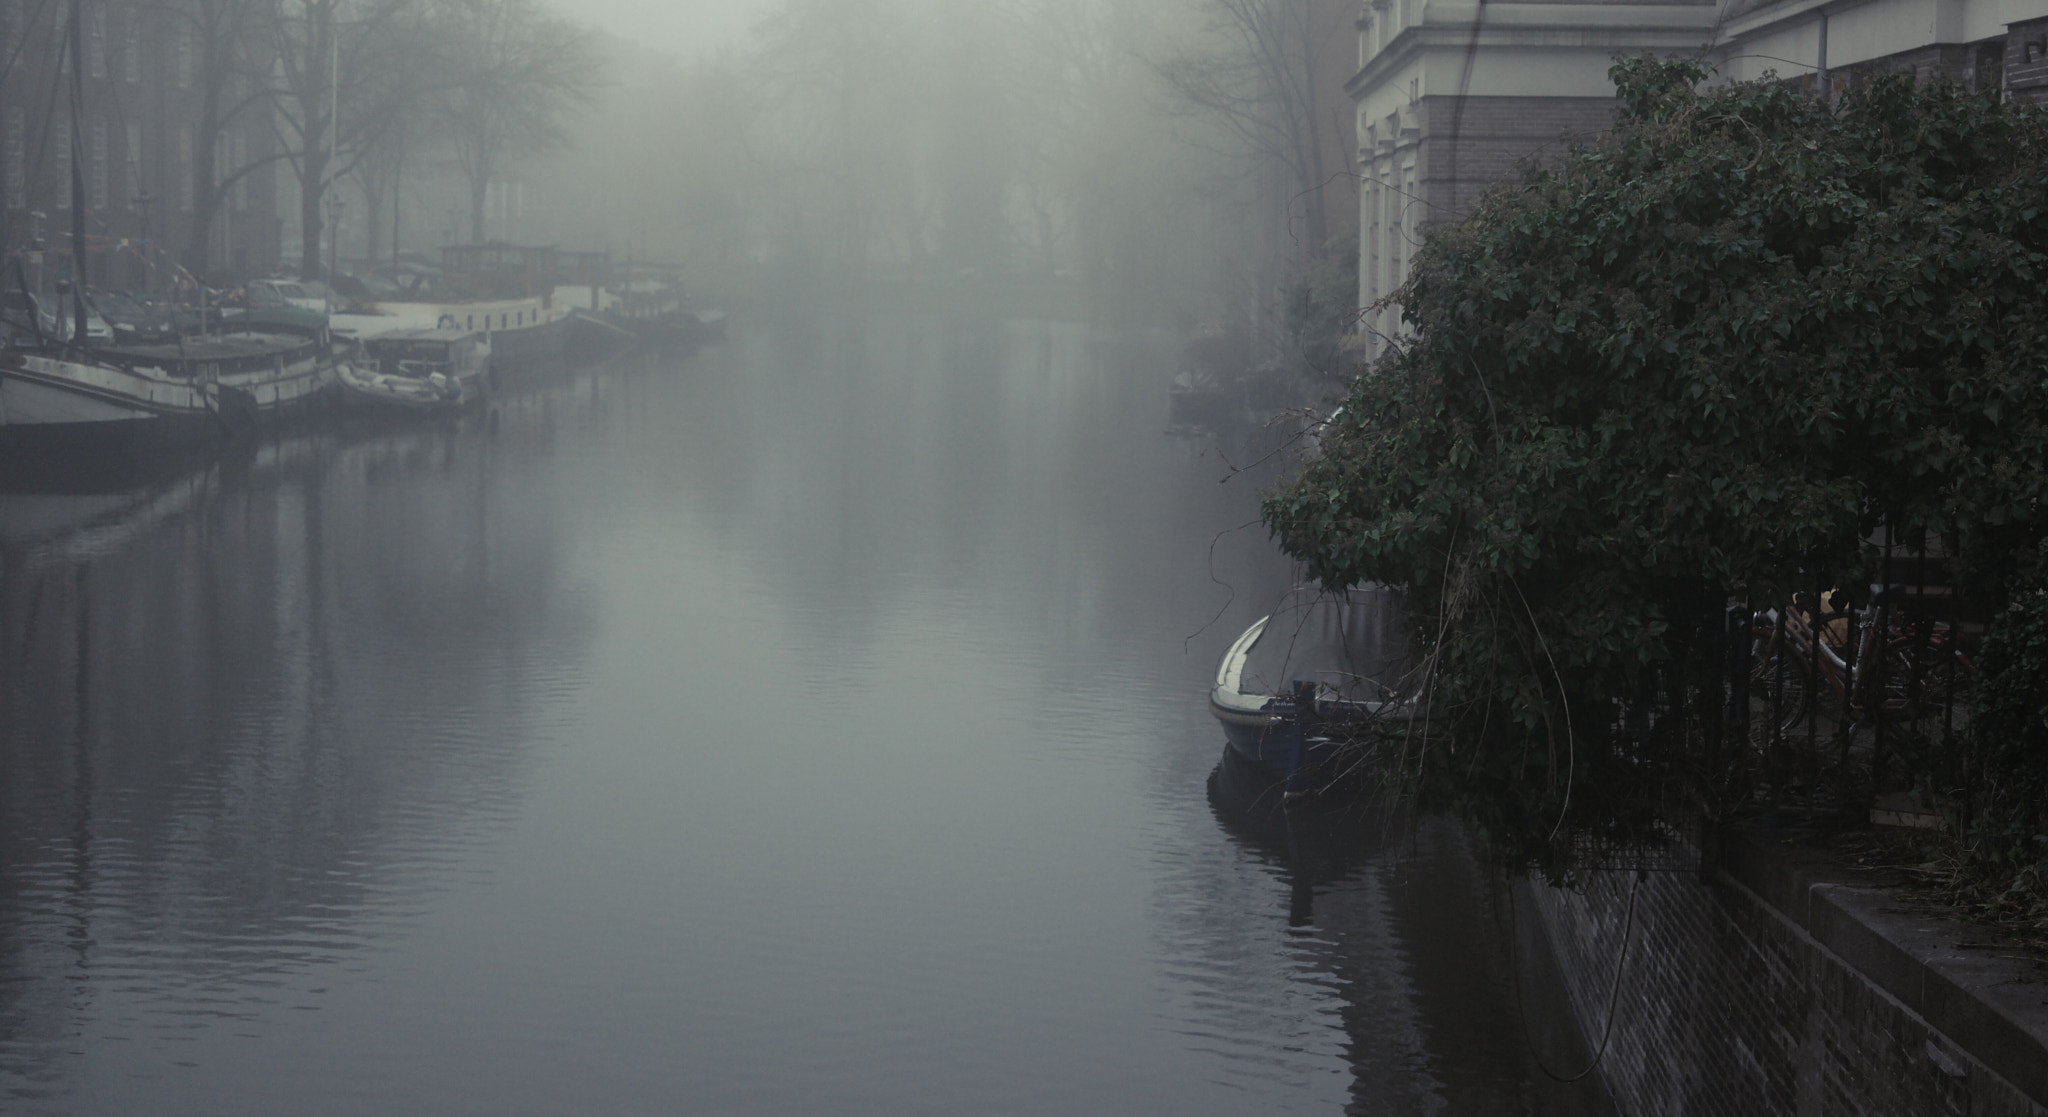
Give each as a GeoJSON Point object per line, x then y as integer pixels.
{"type": "Point", "coordinates": [1452, 94]}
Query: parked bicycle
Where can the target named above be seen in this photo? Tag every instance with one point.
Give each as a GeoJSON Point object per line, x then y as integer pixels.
{"type": "Point", "coordinates": [1870, 660]}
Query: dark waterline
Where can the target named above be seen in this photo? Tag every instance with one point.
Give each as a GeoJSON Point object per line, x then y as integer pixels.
{"type": "Point", "coordinates": [811, 725]}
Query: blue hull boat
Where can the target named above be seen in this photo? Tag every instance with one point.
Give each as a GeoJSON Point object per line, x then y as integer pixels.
{"type": "Point", "coordinates": [1320, 672]}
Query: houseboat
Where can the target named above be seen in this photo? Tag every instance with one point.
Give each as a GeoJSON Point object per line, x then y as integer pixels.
{"type": "Point", "coordinates": [504, 292]}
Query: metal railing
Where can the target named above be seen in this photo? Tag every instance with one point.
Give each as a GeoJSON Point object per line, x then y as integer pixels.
{"type": "Point", "coordinates": [1831, 702]}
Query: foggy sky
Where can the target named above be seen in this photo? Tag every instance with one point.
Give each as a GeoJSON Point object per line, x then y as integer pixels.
{"type": "Point", "coordinates": [685, 28]}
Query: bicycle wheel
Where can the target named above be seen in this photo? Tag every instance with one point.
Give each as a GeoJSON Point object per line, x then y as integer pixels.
{"type": "Point", "coordinates": [1922, 677]}
{"type": "Point", "coordinates": [1780, 688]}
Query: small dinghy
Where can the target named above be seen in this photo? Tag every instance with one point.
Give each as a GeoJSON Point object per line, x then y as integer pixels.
{"type": "Point", "coordinates": [1323, 668]}
{"type": "Point", "coordinates": [419, 371]}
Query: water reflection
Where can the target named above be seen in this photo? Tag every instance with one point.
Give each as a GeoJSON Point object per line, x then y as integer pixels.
{"type": "Point", "coordinates": [1399, 914]}
{"type": "Point", "coordinates": [813, 724]}
{"type": "Point", "coordinates": [235, 698]}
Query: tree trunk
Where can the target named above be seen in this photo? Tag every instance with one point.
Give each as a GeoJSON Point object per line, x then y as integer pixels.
{"type": "Point", "coordinates": [205, 192]}
{"type": "Point", "coordinates": [479, 193]}
{"type": "Point", "coordinates": [311, 193]}
{"type": "Point", "coordinates": [373, 215]}
{"type": "Point", "coordinates": [316, 97]}
{"type": "Point", "coordinates": [1316, 216]}
{"type": "Point", "coordinates": [205, 201]}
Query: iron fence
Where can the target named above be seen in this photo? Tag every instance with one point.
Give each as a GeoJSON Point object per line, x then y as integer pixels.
{"type": "Point", "coordinates": [1841, 695]}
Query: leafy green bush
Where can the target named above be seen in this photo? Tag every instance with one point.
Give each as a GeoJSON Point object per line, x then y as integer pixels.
{"type": "Point", "coordinates": [2005, 850]}
{"type": "Point", "coordinates": [1700, 360]}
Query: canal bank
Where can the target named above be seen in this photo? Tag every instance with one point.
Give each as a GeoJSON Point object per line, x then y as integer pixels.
{"type": "Point", "coordinates": [1777, 982]}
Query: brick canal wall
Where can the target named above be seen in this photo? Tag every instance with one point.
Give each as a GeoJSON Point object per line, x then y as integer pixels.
{"type": "Point", "coordinates": [1775, 985]}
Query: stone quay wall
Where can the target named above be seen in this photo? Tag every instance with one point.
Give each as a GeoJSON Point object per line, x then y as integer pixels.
{"type": "Point", "coordinates": [1773, 984]}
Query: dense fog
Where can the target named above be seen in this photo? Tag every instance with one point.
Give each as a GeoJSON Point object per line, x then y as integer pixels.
{"type": "Point", "coordinates": [572, 565]}
{"type": "Point", "coordinates": [1134, 148]}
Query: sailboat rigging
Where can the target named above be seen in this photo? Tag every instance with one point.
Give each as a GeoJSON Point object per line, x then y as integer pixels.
{"type": "Point", "coordinates": [75, 33]}
{"type": "Point", "coordinates": [62, 393]}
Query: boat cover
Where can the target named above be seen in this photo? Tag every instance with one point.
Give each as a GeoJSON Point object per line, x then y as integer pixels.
{"type": "Point", "coordinates": [1353, 643]}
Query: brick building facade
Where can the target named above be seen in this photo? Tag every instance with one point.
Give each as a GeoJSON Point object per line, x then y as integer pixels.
{"type": "Point", "coordinates": [139, 145]}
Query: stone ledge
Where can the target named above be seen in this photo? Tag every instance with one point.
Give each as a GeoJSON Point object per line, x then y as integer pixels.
{"type": "Point", "coordinates": [1994, 1008]}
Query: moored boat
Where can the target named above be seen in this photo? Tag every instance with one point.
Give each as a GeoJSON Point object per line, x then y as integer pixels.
{"type": "Point", "coordinates": [709, 324]}
{"type": "Point", "coordinates": [679, 329]}
{"type": "Point", "coordinates": [56, 396]}
{"type": "Point", "coordinates": [1322, 669]}
{"type": "Point", "coordinates": [506, 293]}
{"type": "Point", "coordinates": [63, 389]}
{"type": "Point", "coordinates": [523, 332]}
{"type": "Point", "coordinates": [421, 371]}
{"type": "Point", "coordinates": [1198, 400]}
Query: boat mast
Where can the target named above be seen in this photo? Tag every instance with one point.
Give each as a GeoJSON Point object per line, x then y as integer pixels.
{"type": "Point", "coordinates": [77, 178]}
{"type": "Point", "coordinates": [333, 141]}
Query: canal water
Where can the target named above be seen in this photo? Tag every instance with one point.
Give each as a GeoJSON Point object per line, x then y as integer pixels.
{"type": "Point", "coordinates": [811, 724]}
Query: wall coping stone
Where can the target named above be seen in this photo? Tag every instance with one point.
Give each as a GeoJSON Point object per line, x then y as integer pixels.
{"type": "Point", "coordinates": [1992, 1005]}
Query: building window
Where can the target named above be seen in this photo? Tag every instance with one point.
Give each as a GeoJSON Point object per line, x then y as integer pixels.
{"type": "Point", "coordinates": [131, 52]}
{"type": "Point", "coordinates": [1397, 248]}
{"type": "Point", "coordinates": [1391, 219]}
{"type": "Point", "coordinates": [184, 56]}
{"type": "Point", "coordinates": [12, 152]}
{"type": "Point", "coordinates": [96, 42]}
{"type": "Point", "coordinates": [132, 158]}
{"type": "Point", "coordinates": [1390, 208]}
{"type": "Point", "coordinates": [185, 169]}
{"type": "Point", "coordinates": [1411, 208]}
{"type": "Point", "coordinates": [239, 144]}
{"type": "Point", "coordinates": [1372, 237]}
{"type": "Point", "coordinates": [96, 166]}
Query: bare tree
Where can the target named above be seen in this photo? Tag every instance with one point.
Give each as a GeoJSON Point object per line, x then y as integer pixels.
{"type": "Point", "coordinates": [377, 174]}
{"type": "Point", "coordinates": [1255, 75]}
{"type": "Point", "coordinates": [844, 83]}
{"type": "Point", "coordinates": [513, 72]}
{"type": "Point", "coordinates": [222, 55]}
{"type": "Point", "coordinates": [344, 72]}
